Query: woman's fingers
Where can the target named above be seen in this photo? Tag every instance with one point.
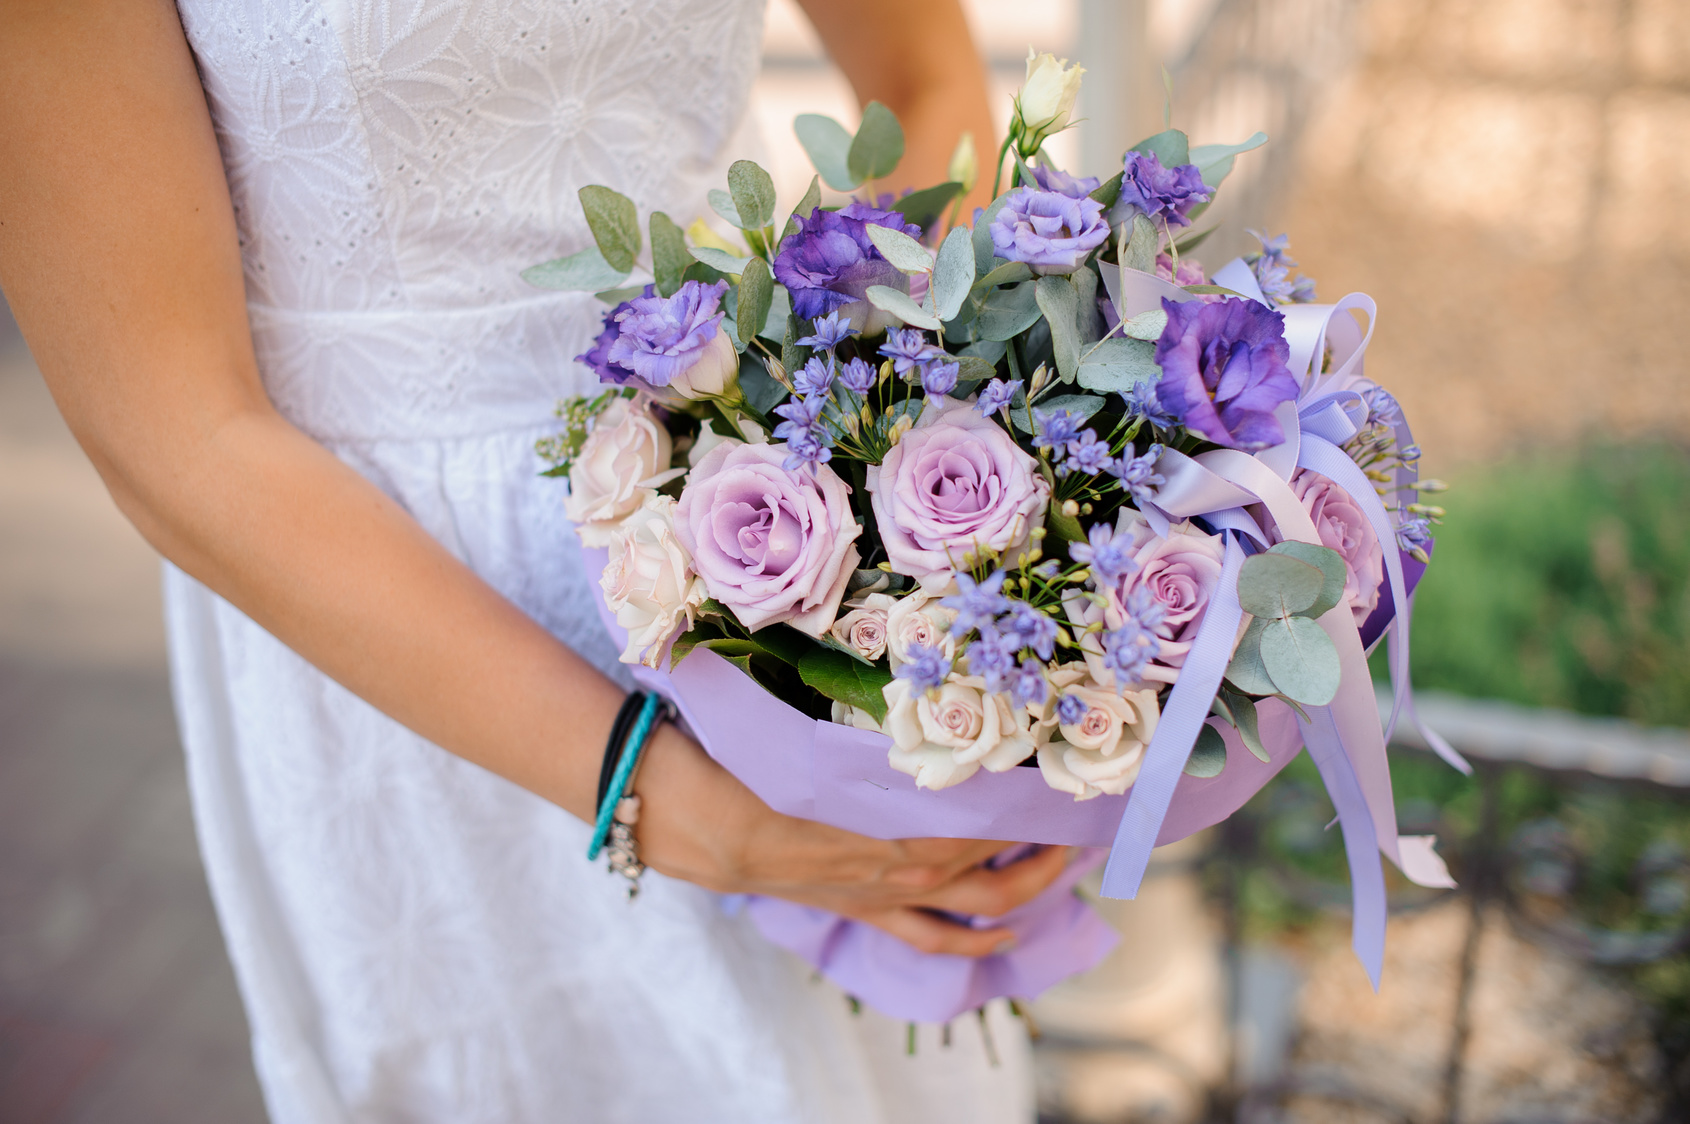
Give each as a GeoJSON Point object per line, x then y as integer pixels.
{"type": "Point", "coordinates": [930, 933]}
{"type": "Point", "coordinates": [993, 893]}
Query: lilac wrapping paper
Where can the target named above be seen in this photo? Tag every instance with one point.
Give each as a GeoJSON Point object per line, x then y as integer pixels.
{"type": "Point", "coordinates": [839, 775]}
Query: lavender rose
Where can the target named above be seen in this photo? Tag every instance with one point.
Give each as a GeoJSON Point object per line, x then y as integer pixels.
{"type": "Point", "coordinates": [1163, 194]}
{"type": "Point", "coordinates": [675, 342]}
{"type": "Point", "coordinates": [954, 485]}
{"type": "Point", "coordinates": [828, 264]}
{"type": "Point", "coordinates": [1225, 367]}
{"type": "Point", "coordinates": [1344, 528]}
{"type": "Point", "coordinates": [771, 545]}
{"type": "Point", "coordinates": [1050, 231]}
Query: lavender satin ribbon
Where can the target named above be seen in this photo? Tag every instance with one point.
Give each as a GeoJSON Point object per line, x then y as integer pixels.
{"type": "Point", "coordinates": [1176, 732]}
{"type": "Point", "coordinates": [1361, 838]}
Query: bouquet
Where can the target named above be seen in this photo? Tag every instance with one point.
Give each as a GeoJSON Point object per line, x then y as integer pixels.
{"type": "Point", "coordinates": [1031, 531]}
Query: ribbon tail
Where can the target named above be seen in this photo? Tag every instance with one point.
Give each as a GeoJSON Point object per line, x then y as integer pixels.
{"type": "Point", "coordinates": [1361, 841]}
{"type": "Point", "coordinates": [1439, 746]}
{"type": "Point", "coordinates": [1176, 733]}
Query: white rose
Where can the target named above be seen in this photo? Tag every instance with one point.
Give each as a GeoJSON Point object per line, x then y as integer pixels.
{"type": "Point", "coordinates": [713, 373]}
{"type": "Point", "coordinates": [1046, 100]}
{"type": "Point", "coordinates": [1104, 750]}
{"type": "Point", "coordinates": [943, 737]}
{"type": "Point", "coordinates": [855, 716]}
{"type": "Point", "coordinates": [649, 583]}
{"type": "Point", "coordinates": [624, 460]}
{"type": "Point", "coordinates": [918, 618]}
{"type": "Point", "coordinates": [863, 628]}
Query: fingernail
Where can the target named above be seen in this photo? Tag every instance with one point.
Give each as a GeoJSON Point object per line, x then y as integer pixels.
{"type": "Point", "coordinates": [1004, 946]}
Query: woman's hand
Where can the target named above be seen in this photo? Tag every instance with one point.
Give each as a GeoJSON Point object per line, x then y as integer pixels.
{"type": "Point", "coordinates": [700, 824]}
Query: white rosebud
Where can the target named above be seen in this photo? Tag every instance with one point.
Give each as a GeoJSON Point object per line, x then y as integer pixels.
{"type": "Point", "coordinates": [624, 460]}
{"type": "Point", "coordinates": [1104, 750]}
{"type": "Point", "coordinates": [1046, 100]}
{"type": "Point", "coordinates": [863, 628]}
{"type": "Point", "coordinates": [943, 737]}
{"type": "Point", "coordinates": [649, 582]}
{"type": "Point", "coordinates": [964, 167]}
{"type": "Point", "coordinates": [714, 374]}
{"type": "Point", "coordinates": [918, 618]}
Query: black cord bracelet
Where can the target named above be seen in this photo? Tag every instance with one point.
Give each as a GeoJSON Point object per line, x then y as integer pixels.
{"type": "Point", "coordinates": [617, 742]}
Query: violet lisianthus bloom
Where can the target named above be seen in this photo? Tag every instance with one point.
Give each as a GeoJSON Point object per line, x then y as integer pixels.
{"type": "Point", "coordinates": [828, 264]}
{"type": "Point", "coordinates": [770, 544]}
{"type": "Point", "coordinates": [1163, 194]}
{"type": "Point", "coordinates": [597, 357]}
{"type": "Point", "coordinates": [1050, 231]}
{"type": "Point", "coordinates": [954, 485]}
{"type": "Point", "coordinates": [677, 342]}
{"type": "Point", "coordinates": [1055, 179]}
{"type": "Point", "coordinates": [1225, 367]}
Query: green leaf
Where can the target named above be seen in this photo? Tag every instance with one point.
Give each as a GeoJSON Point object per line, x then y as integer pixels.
{"type": "Point", "coordinates": [984, 254]}
{"type": "Point", "coordinates": [780, 307]}
{"type": "Point", "coordinates": [1301, 659]}
{"type": "Point", "coordinates": [585, 272]}
{"type": "Point", "coordinates": [617, 296]}
{"type": "Point", "coordinates": [1060, 303]}
{"type": "Point", "coordinates": [1006, 313]}
{"type": "Point", "coordinates": [878, 145]}
{"type": "Point", "coordinates": [756, 291]}
{"type": "Point", "coordinates": [669, 254]}
{"type": "Point", "coordinates": [826, 142]}
{"type": "Point", "coordinates": [1208, 755]}
{"type": "Point", "coordinates": [753, 193]}
{"type": "Point", "coordinates": [1118, 365]}
{"type": "Point", "coordinates": [1146, 326]}
{"type": "Point", "coordinates": [847, 680]}
{"type": "Point", "coordinates": [703, 274]}
{"type": "Point", "coordinates": [953, 274]}
{"type": "Point", "coordinates": [720, 259]}
{"type": "Point", "coordinates": [1082, 406]}
{"type": "Point", "coordinates": [1243, 709]}
{"type": "Point", "coordinates": [784, 643]}
{"type": "Point", "coordinates": [1328, 561]}
{"type": "Point", "coordinates": [1278, 585]}
{"type": "Point", "coordinates": [1009, 273]}
{"type": "Point", "coordinates": [991, 351]}
{"type": "Point", "coordinates": [762, 392]}
{"type": "Point", "coordinates": [1141, 245]}
{"type": "Point", "coordinates": [1191, 241]}
{"type": "Point", "coordinates": [1214, 161]}
{"type": "Point", "coordinates": [923, 208]}
{"type": "Point", "coordinates": [905, 253]}
{"type": "Point", "coordinates": [899, 304]}
{"type": "Point", "coordinates": [1171, 147]}
{"type": "Point", "coordinates": [1220, 290]}
{"type": "Point", "coordinates": [723, 204]}
{"type": "Point", "coordinates": [1109, 190]}
{"type": "Point", "coordinates": [1065, 527]}
{"type": "Point", "coordinates": [972, 368]}
{"type": "Point", "coordinates": [1246, 671]}
{"type": "Point", "coordinates": [615, 226]}
{"type": "Point", "coordinates": [806, 207]}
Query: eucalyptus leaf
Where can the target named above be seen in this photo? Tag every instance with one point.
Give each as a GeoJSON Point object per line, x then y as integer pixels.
{"type": "Point", "coordinates": [923, 208]}
{"type": "Point", "coordinates": [703, 274]}
{"type": "Point", "coordinates": [585, 272]}
{"type": "Point", "coordinates": [617, 296]}
{"type": "Point", "coordinates": [720, 260]}
{"type": "Point", "coordinates": [984, 253]}
{"type": "Point", "coordinates": [1141, 245]}
{"type": "Point", "coordinates": [1191, 241]}
{"type": "Point", "coordinates": [1088, 321]}
{"type": "Point", "coordinates": [723, 204]}
{"type": "Point", "coordinates": [1009, 273]}
{"type": "Point", "coordinates": [971, 368]}
{"type": "Point", "coordinates": [1146, 326]}
{"type": "Point", "coordinates": [1301, 659]}
{"type": "Point", "coordinates": [826, 142]}
{"type": "Point", "coordinates": [1246, 671]}
{"type": "Point", "coordinates": [1082, 406]}
{"type": "Point", "coordinates": [780, 307]}
{"type": "Point", "coordinates": [614, 223]}
{"type": "Point", "coordinates": [669, 254]}
{"type": "Point", "coordinates": [1117, 365]}
{"type": "Point", "coordinates": [762, 392]}
{"type": "Point", "coordinates": [905, 253]}
{"type": "Point", "coordinates": [1328, 561]}
{"type": "Point", "coordinates": [989, 352]}
{"type": "Point", "coordinates": [756, 292]}
{"type": "Point", "coordinates": [1245, 720]}
{"type": "Point", "coordinates": [1278, 585]}
{"type": "Point", "coordinates": [1208, 754]}
{"type": "Point", "coordinates": [1214, 161]}
{"type": "Point", "coordinates": [1213, 290]}
{"type": "Point", "coordinates": [806, 207]}
{"type": "Point", "coordinates": [899, 304]}
{"type": "Point", "coordinates": [1006, 313]}
{"type": "Point", "coordinates": [1109, 190]}
{"type": "Point", "coordinates": [1171, 147]}
{"type": "Point", "coordinates": [953, 274]}
{"type": "Point", "coordinates": [878, 145]}
{"type": "Point", "coordinates": [753, 193]}
{"type": "Point", "coordinates": [846, 680]}
{"type": "Point", "coordinates": [1059, 302]}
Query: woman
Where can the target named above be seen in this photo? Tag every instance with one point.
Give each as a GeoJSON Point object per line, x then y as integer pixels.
{"type": "Point", "coordinates": [307, 372]}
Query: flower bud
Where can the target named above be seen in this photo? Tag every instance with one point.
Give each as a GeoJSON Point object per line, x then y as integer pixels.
{"type": "Point", "coordinates": [1046, 99]}
{"type": "Point", "coordinates": [964, 167]}
{"type": "Point", "coordinates": [1070, 508]}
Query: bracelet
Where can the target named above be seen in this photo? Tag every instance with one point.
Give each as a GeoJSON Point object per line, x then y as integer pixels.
{"type": "Point", "coordinates": [618, 809]}
{"type": "Point", "coordinates": [615, 744]}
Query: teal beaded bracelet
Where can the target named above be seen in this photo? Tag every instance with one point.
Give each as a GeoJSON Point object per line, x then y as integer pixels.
{"type": "Point", "coordinates": [631, 749]}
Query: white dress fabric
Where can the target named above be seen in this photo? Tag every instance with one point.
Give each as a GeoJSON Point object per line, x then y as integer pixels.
{"type": "Point", "coordinates": [417, 940]}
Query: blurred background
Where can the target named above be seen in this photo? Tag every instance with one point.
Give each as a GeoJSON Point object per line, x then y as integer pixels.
{"type": "Point", "coordinates": [1508, 178]}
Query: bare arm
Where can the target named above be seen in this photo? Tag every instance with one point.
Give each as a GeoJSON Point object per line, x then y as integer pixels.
{"type": "Point", "coordinates": [918, 59]}
{"type": "Point", "coordinates": [118, 252]}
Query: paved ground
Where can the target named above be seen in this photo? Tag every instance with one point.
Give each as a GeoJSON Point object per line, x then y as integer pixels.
{"type": "Point", "coordinates": [116, 999]}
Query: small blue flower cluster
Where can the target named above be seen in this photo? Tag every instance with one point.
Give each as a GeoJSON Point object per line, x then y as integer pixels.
{"type": "Point", "coordinates": [807, 440]}
{"type": "Point", "coordinates": [1005, 628]}
{"type": "Point", "coordinates": [1273, 267]}
{"type": "Point", "coordinates": [916, 360]}
{"type": "Point", "coordinates": [1128, 650]}
{"type": "Point", "coordinates": [1073, 449]}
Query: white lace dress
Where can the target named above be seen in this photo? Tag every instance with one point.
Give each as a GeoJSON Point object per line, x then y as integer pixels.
{"type": "Point", "coordinates": [415, 939]}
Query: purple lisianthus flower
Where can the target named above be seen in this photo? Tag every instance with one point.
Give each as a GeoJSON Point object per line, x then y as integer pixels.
{"type": "Point", "coordinates": [857, 377]}
{"type": "Point", "coordinates": [663, 339]}
{"type": "Point", "coordinates": [907, 348]}
{"type": "Point", "coordinates": [1050, 231]}
{"type": "Point", "coordinates": [1163, 194]}
{"type": "Point", "coordinates": [1055, 179]}
{"type": "Point", "coordinates": [996, 395]}
{"type": "Point", "coordinates": [828, 263]}
{"type": "Point", "coordinates": [830, 332]}
{"type": "Point", "coordinates": [939, 379]}
{"type": "Point", "coordinates": [598, 356]}
{"type": "Point", "coordinates": [1029, 687]}
{"type": "Point", "coordinates": [925, 669]}
{"type": "Point", "coordinates": [1224, 370]}
{"type": "Point", "coordinates": [813, 378]}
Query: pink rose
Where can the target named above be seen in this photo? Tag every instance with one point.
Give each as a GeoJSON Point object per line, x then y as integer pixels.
{"type": "Point", "coordinates": [771, 545]}
{"type": "Point", "coordinates": [954, 485]}
{"type": "Point", "coordinates": [1344, 527]}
